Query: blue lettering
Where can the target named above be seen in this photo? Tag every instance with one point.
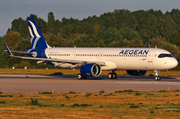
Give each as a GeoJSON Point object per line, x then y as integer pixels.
{"type": "Point", "coordinates": [146, 52]}
{"type": "Point", "coordinates": [122, 52]}
{"type": "Point", "coordinates": [131, 52]}
{"type": "Point", "coordinates": [126, 52]}
{"type": "Point", "coordinates": [140, 52]}
{"type": "Point", "coordinates": [135, 52]}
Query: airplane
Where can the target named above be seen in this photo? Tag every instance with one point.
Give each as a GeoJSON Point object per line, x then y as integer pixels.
{"type": "Point", "coordinates": [91, 61]}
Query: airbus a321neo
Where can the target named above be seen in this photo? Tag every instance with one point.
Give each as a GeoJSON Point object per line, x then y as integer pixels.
{"type": "Point", "coordinates": [91, 61]}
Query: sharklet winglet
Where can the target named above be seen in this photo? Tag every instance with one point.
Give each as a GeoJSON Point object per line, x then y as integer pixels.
{"type": "Point", "coordinates": [9, 52]}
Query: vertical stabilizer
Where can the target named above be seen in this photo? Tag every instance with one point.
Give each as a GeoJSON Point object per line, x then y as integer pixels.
{"type": "Point", "coordinates": [37, 39]}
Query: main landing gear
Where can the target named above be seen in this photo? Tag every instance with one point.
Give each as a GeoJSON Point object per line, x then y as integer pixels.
{"type": "Point", "coordinates": [112, 75]}
{"type": "Point", "coordinates": [157, 77]}
{"type": "Point", "coordinates": [80, 76]}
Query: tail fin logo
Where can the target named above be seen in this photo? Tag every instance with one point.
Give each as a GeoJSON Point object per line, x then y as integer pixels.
{"type": "Point", "coordinates": [37, 39]}
{"type": "Point", "coordinates": [34, 29]}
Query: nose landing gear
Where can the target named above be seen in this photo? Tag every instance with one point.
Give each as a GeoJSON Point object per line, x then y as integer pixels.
{"type": "Point", "coordinates": [157, 77]}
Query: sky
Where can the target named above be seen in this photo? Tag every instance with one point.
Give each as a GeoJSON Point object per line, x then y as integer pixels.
{"type": "Point", "coordinates": [77, 9]}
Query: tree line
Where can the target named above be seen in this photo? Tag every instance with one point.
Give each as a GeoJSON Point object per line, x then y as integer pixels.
{"type": "Point", "coordinates": [120, 28]}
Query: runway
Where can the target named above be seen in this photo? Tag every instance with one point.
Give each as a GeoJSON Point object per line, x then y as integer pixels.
{"type": "Point", "coordinates": [28, 84]}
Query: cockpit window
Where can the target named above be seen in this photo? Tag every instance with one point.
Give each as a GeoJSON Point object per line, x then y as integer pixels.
{"type": "Point", "coordinates": [165, 55]}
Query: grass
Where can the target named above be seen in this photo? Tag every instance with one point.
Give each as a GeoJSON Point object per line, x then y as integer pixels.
{"type": "Point", "coordinates": [113, 105]}
{"type": "Point", "coordinates": [121, 104]}
{"type": "Point", "coordinates": [75, 72]}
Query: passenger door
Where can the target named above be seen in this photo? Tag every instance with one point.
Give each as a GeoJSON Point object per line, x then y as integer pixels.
{"type": "Point", "coordinates": [150, 57]}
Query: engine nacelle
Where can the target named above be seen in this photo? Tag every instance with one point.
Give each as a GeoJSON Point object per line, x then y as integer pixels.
{"type": "Point", "coordinates": [90, 70]}
{"type": "Point", "coordinates": [136, 72]}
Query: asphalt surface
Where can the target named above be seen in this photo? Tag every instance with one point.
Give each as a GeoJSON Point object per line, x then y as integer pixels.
{"type": "Point", "coordinates": [28, 84]}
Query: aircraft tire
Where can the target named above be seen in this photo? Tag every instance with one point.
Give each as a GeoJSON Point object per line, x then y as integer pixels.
{"type": "Point", "coordinates": [114, 76]}
{"type": "Point", "coordinates": [157, 78]}
{"type": "Point", "coordinates": [110, 75]}
{"type": "Point", "coordinates": [79, 76]}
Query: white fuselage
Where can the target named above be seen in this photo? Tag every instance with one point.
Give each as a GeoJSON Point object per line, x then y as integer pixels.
{"type": "Point", "coordinates": [115, 58]}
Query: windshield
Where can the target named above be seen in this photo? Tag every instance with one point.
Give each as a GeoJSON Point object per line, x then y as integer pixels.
{"type": "Point", "coordinates": [165, 55]}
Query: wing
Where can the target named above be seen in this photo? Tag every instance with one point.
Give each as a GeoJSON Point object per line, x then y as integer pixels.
{"type": "Point", "coordinates": [53, 60]}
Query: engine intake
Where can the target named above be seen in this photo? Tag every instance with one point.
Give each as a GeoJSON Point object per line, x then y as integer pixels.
{"type": "Point", "coordinates": [90, 70]}
{"type": "Point", "coordinates": [136, 72]}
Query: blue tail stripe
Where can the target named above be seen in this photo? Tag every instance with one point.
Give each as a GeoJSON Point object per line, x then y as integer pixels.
{"type": "Point", "coordinates": [37, 39]}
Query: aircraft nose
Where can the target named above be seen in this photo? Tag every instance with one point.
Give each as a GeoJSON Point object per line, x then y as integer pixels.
{"type": "Point", "coordinates": [174, 63]}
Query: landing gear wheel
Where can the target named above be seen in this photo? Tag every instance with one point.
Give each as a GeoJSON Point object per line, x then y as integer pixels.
{"type": "Point", "coordinates": [80, 76]}
{"type": "Point", "coordinates": [112, 75]}
{"type": "Point", "coordinates": [157, 78]}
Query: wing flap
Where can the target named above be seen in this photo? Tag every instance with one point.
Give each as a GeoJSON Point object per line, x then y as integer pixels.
{"type": "Point", "coordinates": [51, 60]}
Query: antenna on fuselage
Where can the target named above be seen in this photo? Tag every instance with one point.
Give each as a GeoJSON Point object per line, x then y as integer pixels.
{"type": "Point", "coordinates": [148, 45]}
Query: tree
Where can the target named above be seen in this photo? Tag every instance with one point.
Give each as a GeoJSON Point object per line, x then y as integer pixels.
{"type": "Point", "coordinates": [175, 38]}
{"type": "Point", "coordinates": [125, 19]}
{"type": "Point", "coordinates": [61, 40]}
{"type": "Point", "coordinates": [20, 26]}
{"type": "Point", "coordinates": [12, 38]}
{"type": "Point", "coordinates": [88, 28]}
{"type": "Point", "coordinates": [169, 26]}
{"type": "Point", "coordinates": [175, 14]}
{"type": "Point", "coordinates": [157, 41]}
{"type": "Point", "coordinates": [70, 43]}
{"type": "Point", "coordinates": [100, 43]}
{"type": "Point", "coordinates": [121, 17]}
{"type": "Point", "coordinates": [136, 43]}
{"type": "Point", "coordinates": [114, 44]}
{"type": "Point", "coordinates": [147, 25]}
{"type": "Point", "coordinates": [160, 42]}
{"type": "Point", "coordinates": [67, 30]}
{"type": "Point", "coordinates": [78, 42]}
{"type": "Point", "coordinates": [51, 23]}
{"type": "Point", "coordinates": [23, 44]}
{"type": "Point", "coordinates": [124, 43]}
{"type": "Point", "coordinates": [108, 20]}
{"type": "Point", "coordinates": [129, 33]}
{"type": "Point", "coordinates": [53, 40]}
{"type": "Point", "coordinates": [109, 35]}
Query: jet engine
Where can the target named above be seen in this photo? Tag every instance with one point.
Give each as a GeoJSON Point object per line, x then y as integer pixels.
{"type": "Point", "coordinates": [136, 72]}
{"type": "Point", "coordinates": [90, 70]}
